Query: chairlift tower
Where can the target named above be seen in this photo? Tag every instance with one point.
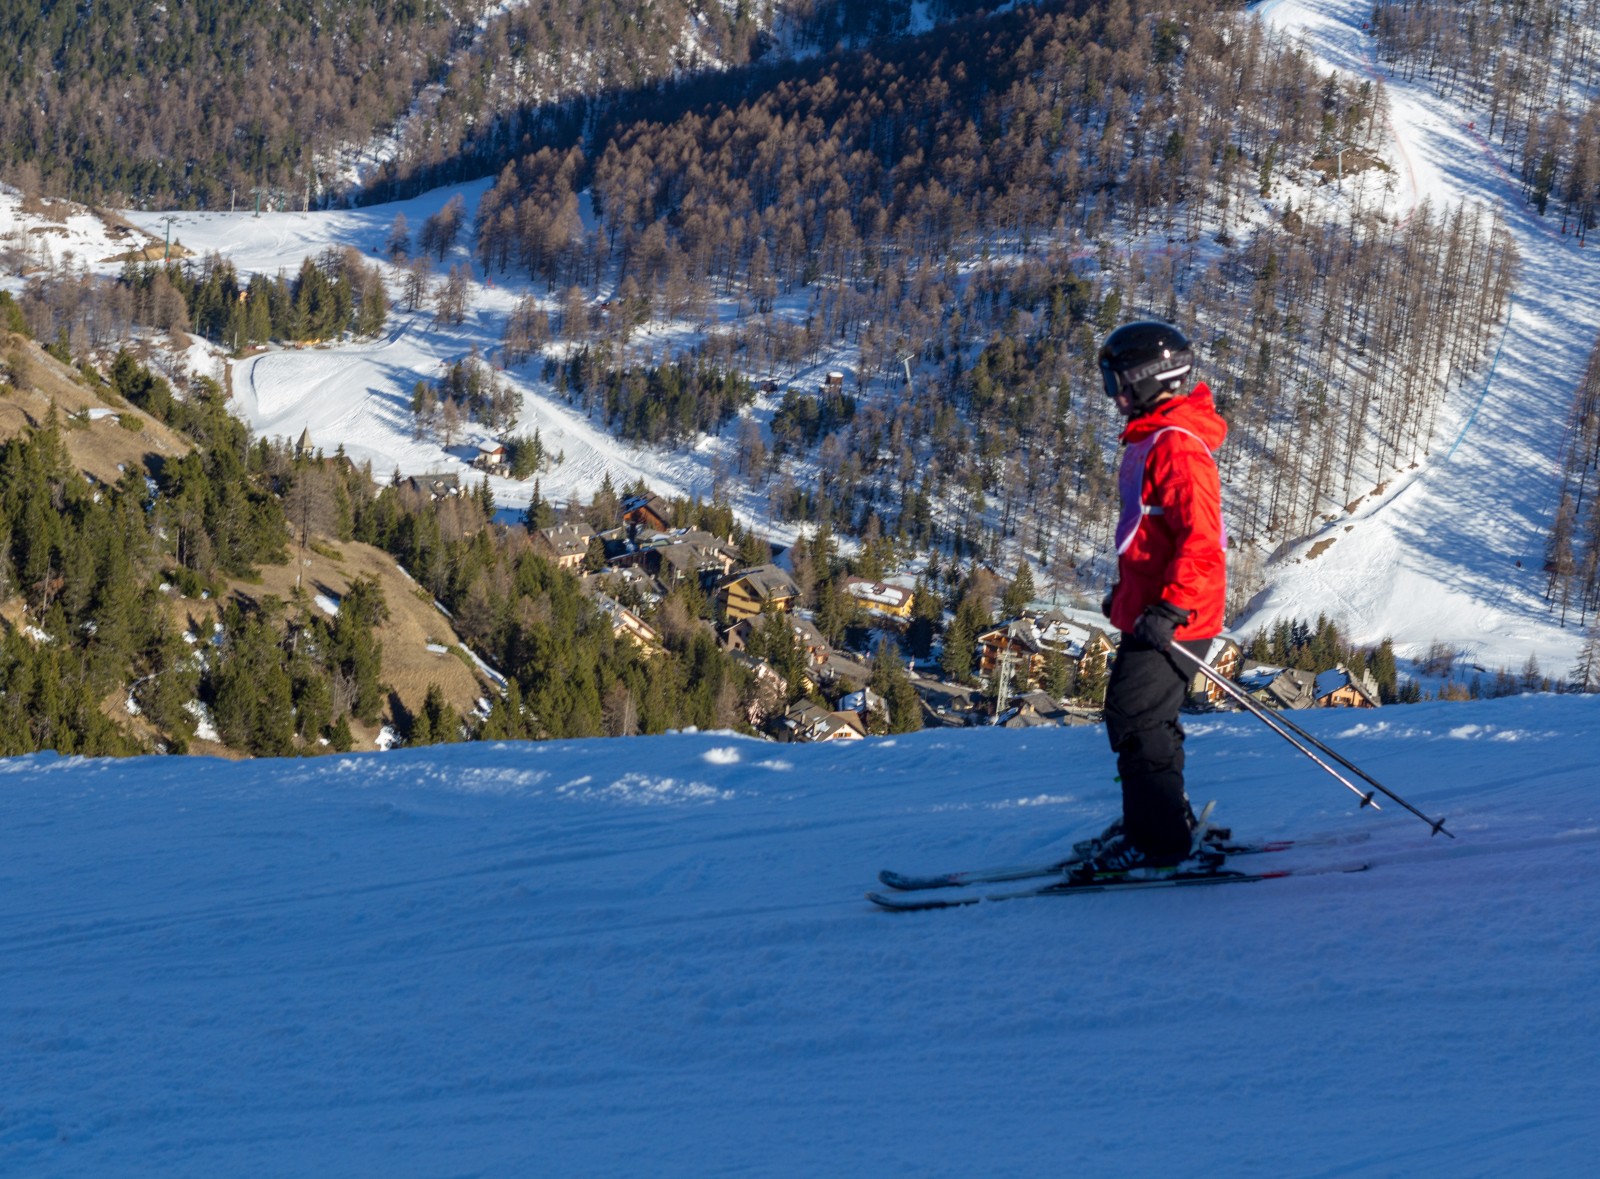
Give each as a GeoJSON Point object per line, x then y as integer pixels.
{"type": "Point", "coordinates": [1001, 689]}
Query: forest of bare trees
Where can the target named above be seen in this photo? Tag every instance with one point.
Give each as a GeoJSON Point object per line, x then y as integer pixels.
{"type": "Point", "coordinates": [1573, 551]}
{"type": "Point", "coordinates": [974, 205]}
{"type": "Point", "coordinates": [1530, 74]}
{"type": "Point", "coordinates": [205, 104]}
{"type": "Point", "coordinates": [200, 103]}
{"type": "Point", "coordinates": [954, 198]}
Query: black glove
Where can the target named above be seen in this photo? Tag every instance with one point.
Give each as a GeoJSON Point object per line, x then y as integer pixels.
{"type": "Point", "coordinates": [1105, 602]}
{"type": "Point", "coordinates": [1157, 624]}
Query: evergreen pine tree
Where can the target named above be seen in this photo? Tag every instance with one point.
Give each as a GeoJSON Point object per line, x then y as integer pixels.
{"type": "Point", "coordinates": [927, 611]}
{"type": "Point", "coordinates": [1093, 675]}
{"type": "Point", "coordinates": [421, 731]}
{"type": "Point", "coordinates": [1385, 672]}
{"type": "Point", "coordinates": [1020, 592]}
{"type": "Point", "coordinates": [890, 681]}
{"type": "Point", "coordinates": [960, 644]}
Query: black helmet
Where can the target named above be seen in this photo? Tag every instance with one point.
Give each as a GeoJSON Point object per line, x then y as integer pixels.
{"type": "Point", "coordinates": [1144, 360]}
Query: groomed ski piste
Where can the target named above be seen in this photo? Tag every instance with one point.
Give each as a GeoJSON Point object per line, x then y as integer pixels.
{"type": "Point", "coordinates": [1453, 552]}
{"type": "Point", "coordinates": [654, 957]}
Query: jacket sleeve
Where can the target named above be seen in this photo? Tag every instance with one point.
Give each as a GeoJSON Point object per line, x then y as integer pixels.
{"type": "Point", "coordinates": [1185, 483]}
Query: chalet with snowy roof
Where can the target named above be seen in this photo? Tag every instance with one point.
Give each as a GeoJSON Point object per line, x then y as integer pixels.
{"type": "Point", "coordinates": [435, 486]}
{"type": "Point", "coordinates": [864, 702]}
{"type": "Point", "coordinates": [688, 555]}
{"type": "Point", "coordinates": [617, 579]}
{"type": "Point", "coordinates": [1074, 639]}
{"type": "Point", "coordinates": [807, 721]}
{"type": "Point", "coordinates": [492, 457]}
{"type": "Point", "coordinates": [1277, 687]}
{"type": "Point", "coordinates": [567, 544]}
{"type": "Point", "coordinates": [880, 597]}
{"type": "Point", "coordinates": [1029, 640]}
{"type": "Point", "coordinates": [748, 593]}
{"type": "Point", "coordinates": [647, 511]}
{"type": "Point", "coordinates": [1340, 688]}
{"type": "Point", "coordinates": [1016, 640]}
{"type": "Point", "coordinates": [1224, 655]}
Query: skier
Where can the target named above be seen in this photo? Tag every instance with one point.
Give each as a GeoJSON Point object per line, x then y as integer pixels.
{"type": "Point", "coordinates": [1171, 584]}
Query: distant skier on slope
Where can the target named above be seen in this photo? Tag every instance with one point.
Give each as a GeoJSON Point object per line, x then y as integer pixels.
{"type": "Point", "coordinates": [1171, 584]}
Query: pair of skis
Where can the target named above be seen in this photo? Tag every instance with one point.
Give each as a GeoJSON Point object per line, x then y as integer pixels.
{"type": "Point", "coordinates": [1056, 879]}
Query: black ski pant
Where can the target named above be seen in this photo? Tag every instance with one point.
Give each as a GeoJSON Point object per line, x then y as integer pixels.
{"type": "Point", "coordinates": [1144, 694]}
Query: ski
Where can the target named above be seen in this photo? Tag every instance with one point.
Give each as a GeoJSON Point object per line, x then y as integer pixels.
{"type": "Point", "coordinates": [905, 904]}
{"type": "Point", "coordinates": [904, 882]}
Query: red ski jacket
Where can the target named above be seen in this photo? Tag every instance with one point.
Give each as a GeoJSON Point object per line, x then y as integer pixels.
{"type": "Point", "coordinates": [1171, 544]}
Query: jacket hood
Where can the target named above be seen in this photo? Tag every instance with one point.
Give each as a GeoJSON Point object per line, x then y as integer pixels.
{"type": "Point", "coordinates": [1196, 413]}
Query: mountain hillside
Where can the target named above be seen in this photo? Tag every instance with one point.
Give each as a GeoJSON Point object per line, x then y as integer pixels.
{"type": "Point", "coordinates": [854, 297]}
{"type": "Point", "coordinates": [1373, 454]}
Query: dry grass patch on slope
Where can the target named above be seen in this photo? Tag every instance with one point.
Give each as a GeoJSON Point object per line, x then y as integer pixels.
{"type": "Point", "coordinates": [102, 438]}
{"type": "Point", "coordinates": [419, 644]}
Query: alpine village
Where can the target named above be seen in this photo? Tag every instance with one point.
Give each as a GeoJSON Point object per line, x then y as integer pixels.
{"type": "Point", "coordinates": [737, 372]}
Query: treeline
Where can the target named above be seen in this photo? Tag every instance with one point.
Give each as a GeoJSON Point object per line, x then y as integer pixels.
{"type": "Point", "coordinates": [335, 293]}
{"type": "Point", "coordinates": [1572, 552]}
{"type": "Point", "coordinates": [200, 103]}
{"type": "Point", "coordinates": [1530, 72]}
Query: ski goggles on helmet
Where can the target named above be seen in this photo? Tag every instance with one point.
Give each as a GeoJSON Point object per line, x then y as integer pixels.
{"type": "Point", "coordinates": [1112, 382]}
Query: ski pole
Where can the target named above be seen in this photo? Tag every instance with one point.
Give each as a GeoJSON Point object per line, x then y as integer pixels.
{"type": "Point", "coordinates": [1276, 725]}
{"type": "Point", "coordinates": [1289, 731]}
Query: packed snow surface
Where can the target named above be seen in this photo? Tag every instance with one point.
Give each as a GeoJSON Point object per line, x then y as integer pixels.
{"type": "Point", "coordinates": [653, 956]}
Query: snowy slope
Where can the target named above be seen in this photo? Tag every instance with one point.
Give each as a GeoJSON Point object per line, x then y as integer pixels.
{"type": "Point", "coordinates": [653, 957]}
{"type": "Point", "coordinates": [1454, 551]}
{"type": "Point", "coordinates": [359, 395]}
